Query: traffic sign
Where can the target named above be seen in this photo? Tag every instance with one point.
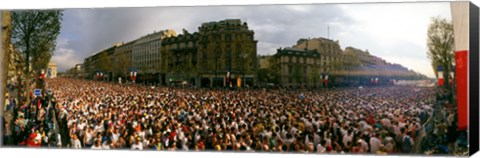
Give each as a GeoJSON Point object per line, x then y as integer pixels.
{"type": "Point", "coordinates": [37, 92]}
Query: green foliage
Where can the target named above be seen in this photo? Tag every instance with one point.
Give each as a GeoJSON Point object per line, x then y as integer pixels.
{"type": "Point", "coordinates": [123, 64]}
{"type": "Point", "coordinates": [440, 45]}
{"type": "Point", "coordinates": [34, 32]}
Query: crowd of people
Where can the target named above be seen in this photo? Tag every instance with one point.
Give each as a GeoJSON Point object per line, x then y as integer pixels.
{"type": "Point", "coordinates": [101, 115]}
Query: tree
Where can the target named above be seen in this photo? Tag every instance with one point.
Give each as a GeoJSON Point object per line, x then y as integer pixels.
{"type": "Point", "coordinates": [271, 73]}
{"type": "Point", "coordinates": [123, 64]}
{"type": "Point", "coordinates": [34, 33]}
{"type": "Point", "coordinates": [5, 55]}
{"type": "Point", "coordinates": [440, 46]}
{"type": "Point", "coordinates": [297, 74]}
{"type": "Point", "coordinates": [315, 75]}
{"type": "Point", "coordinates": [104, 64]}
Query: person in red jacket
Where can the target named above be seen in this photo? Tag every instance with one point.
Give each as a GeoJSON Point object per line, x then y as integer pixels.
{"type": "Point", "coordinates": [33, 140]}
{"type": "Point", "coordinates": [371, 120]}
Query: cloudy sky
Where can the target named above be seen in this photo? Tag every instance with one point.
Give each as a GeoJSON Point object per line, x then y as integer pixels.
{"type": "Point", "coordinates": [395, 32]}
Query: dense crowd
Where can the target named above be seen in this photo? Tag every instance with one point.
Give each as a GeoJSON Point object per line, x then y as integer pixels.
{"type": "Point", "coordinates": [100, 115]}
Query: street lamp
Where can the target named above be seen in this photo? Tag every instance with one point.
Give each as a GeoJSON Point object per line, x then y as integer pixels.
{"type": "Point", "coordinates": [243, 56]}
{"type": "Point", "coordinates": [217, 55]}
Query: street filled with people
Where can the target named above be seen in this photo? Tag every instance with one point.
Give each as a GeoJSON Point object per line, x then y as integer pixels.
{"type": "Point", "coordinates": [103, 115]}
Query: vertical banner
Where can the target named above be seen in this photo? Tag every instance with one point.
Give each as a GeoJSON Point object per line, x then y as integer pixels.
{"type": "Point", "coordinates": [42, 75]}
{"type": "Point", "coordinates": [239, 82]}
{"type": "Point", "coordinates": [460, 21]}
{"type": "Point", "coordinates": [461, 68]}
{"type": "Point", "coordinates": [228, 77]}
{"type": "Point", "coordinates": [441, 80]}
{"type": "Point", "coordinates": [326, 81]}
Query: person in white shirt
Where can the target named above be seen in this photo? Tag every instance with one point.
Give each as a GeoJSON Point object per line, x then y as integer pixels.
{"type": "Point", "coordinates": [75, 142]}
{"type": "Point", "coordinates": [138, 144]}
{"type": "Point", "coordinates": [88, 137]}
{"type": "Point", "coordinates": [97, 145]}
{"type": "Point", "coordinates": [320, 148]}
{"type": "Point", "coordinates": [115, 135]}
{"type": "Point", "coordinates": [347, 138]}
{"type": "Point", "coordinates": [106, 144]}
{"type": "Point", "coordinates": [364, 144]}
{"type": "Point", "coordinates": [99, 127]}
{"type": "Point", "coordinates": [374, 144]}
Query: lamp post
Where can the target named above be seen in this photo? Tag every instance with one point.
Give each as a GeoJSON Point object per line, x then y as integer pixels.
{"type": "Point", "coordinates": [216, 68]}
{"type": "Point", "coordinates": [243, 56]}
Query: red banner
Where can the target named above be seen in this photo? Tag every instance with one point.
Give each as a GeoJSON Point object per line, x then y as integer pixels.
{"type": "Point", "coordinates": [461, 76]}
{"type": "Point", "coordinates": [441, 82]}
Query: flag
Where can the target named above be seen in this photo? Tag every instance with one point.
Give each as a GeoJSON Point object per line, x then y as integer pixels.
{"type": "Point", "coordinates": [460, 16]}
{"type": "Point", "coordinates": [440, 76]}
{"type": "Point", "coordinates": [239, 82]}
{"type": "Point", "coordinates": [134, 76]}
{"type": "Point", "coordinates": [42, 74]}
{"type": "Point", "coordinates": [228, 77]}
{"type": "Point", "coordinates": [325, 80]}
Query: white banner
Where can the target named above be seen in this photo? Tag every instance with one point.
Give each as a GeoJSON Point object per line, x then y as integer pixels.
{"type": "Point", "coordinates": [440, 74]}
{"type": "Point", "coordinates": [460, 20]}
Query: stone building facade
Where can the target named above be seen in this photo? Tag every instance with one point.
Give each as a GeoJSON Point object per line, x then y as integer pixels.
{"type": "Point", "coordinates": [101, 61]}
{"type": "Point", "coordinates": [204, 58]}
{"type": "Point", "coordinates": [180, 59]}
{"type": "Point", "coordinates": [51, 70]}
{"type": "Point", "coordinates": [123, 59]}
{"type": "Point", "coordinates": [331, 55]}
{"type": "Point", "coordinates": [365, 58]}
{"type": "Point", "coordinates": [146, 55]}
{"type": "Point", "coordinates": [142, 54]}
{"type": "Point", "coordinates": [298, 67]}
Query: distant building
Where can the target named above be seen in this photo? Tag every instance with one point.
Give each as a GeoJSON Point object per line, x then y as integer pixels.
{"type": "Point", "coordinates": [78, 67]}
{"type": "Point", "coordinates": [146, 56]}
{"type": "Point", "coordinates": [180, 62]}
{"type": "Point", "coordinates": [100, 62]}
{"type": "Point", "coordinates": [264, 61]}
{"type": "Point", "coordinates": [298, 67]}
{"type": "Point", "coordinates": [51, 70]}
{"type": "Point", "coordinates": [205, 57]}
{"type": "Point", "coordinates": [142, 55]}
{"type": "Point", "coordinates": [123, 58]}
{"type": "Point", "coordinates": [331, 54]}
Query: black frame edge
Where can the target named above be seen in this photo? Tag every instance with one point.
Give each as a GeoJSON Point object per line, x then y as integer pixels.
{"type": "Point", "coordinates": [473, 79]}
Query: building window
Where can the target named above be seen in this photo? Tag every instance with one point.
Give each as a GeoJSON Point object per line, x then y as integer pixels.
{"type": "Point", "coordinates": [228, 37]}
